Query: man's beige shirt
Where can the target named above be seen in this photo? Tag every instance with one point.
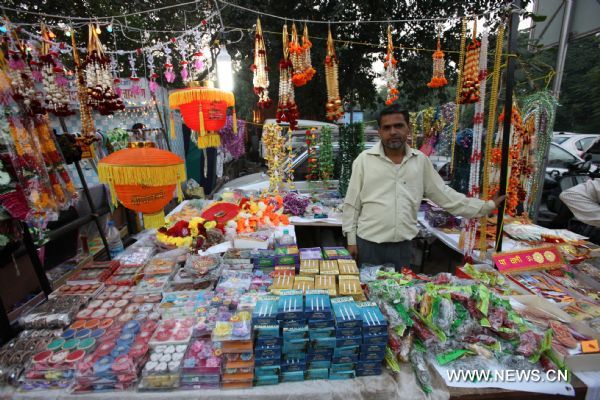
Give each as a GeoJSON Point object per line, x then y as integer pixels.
{"type": "Point", "coordinates": [383, 198]}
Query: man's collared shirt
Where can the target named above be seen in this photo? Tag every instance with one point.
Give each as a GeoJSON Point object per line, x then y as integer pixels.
{"type": "Point", "coordinates": [383, 198]}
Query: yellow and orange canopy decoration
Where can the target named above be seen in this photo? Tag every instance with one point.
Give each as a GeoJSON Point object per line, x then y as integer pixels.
{"type": "Point", "coordinates": [143, 180]}
{"type": "Point", "coordinates": [204, 110]}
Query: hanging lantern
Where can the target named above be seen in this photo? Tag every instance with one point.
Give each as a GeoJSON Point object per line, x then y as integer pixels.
{"type": "Point", "coordinates": [143, 180]}
{"type": "Point", "coordinates": [204, 111]}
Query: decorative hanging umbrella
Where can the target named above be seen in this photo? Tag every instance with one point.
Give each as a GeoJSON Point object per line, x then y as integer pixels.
{"type": "Point", "coordinates": [143, 179]}
{"type": "Point", "coordinates": [204, 110]}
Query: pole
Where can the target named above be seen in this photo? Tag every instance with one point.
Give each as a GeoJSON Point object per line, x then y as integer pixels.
{"type": "Point", "coordinates": [562, 47]}
{"type": "Point", "coordinates": [510, 80]}
{"type": "Point", "coordinates": [35, 260]}
{"type": "Point", "coordinates": [90, 201]}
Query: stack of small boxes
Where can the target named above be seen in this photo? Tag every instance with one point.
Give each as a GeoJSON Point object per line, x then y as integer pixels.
{"type": "Point", "coordinates": [375, 336]}
{"type": "Point", "coordinates": [294, 331]}
{"type": "Point", "coordinates": [267, 346]}
{"type": "Point", "coordinates": [321, 334]}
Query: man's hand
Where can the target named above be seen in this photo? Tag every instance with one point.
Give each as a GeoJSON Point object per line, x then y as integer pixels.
{"type": "Point", "coordinates": [498, 200]}
{"type": "Point", "coordinates": [353, 249]}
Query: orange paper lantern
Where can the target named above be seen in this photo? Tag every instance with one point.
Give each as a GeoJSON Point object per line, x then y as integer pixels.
{"type": "Point", "coordinates": [204, 110]}
{"type": "Point", "coordinates": [143, 180]}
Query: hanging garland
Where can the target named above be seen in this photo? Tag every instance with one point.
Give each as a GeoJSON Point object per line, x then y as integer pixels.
{"type": "Point", "coordinates": [438, 79]}
{"type": "Point", "coordinates": [260, 69]}
{"type": "Point", "coordinates": [313, 166]}
{"type": "Point", "coordinates": [289, 156]}
{"type": "Point", "coordinates": [325, 154]}
{"type": "Point", "coordinates": [136, 90]}
{"type": "Point", "coordinates": [287, 110]}
{"type": "Point", "coordinates": [469, 92]}
{"type": "Point", "coordinates": [169, 74]}
{"type": "Point", "coordinates": [183, 64]}
{"type": "Point", "coordinates": [334, 107]}
{"type": "Point", "coordinates": [476, 155]}
{"type": "Point", "coordinates": [198, 56]}
{"type": "Point", "coordinates": [352, 139]}
{"type": "Point", "coordinates": [233, 142]}
{"type": "Point", "coordinates": [541, 107]}
{"type": "Point", "coordinates": [152, 85]}
{"type": "Point", "coordinates": [390, 71]}
{"type": "Point", "coordinates": [274, 155]}
{"type": "Point", "coordinates": [489, 142]}
{"type": "Point", "coordinates": [98, 78]}
{"type": "Point", "coordinates": [53, 79]}
{"type": "Point", "coordinates": [300, 57]}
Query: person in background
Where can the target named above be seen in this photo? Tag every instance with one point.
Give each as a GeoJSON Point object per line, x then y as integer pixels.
{"type": "Point", "coordinates": [584, 202]}
{"type": "Point", "coordinates": [138, 134]}
{"type": "Point", "coordinates": [385, 191]}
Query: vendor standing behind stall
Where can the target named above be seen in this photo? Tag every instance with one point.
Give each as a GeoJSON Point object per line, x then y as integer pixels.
{"type": "Point", "coordinates": [385, 191]}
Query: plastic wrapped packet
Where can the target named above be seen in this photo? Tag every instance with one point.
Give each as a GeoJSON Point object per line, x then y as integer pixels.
{"type": "Point", "coordinates": [57, 312]}
{"type": "Point", "coordinates": [199, 266]}
{"type": "Point", "coordinates": [406, 344]}
{"type": "Point", "coordinates": [368, 272]}
{"type": "Point", "coordinates": [421, 371]}
{"type": "Point", "coordinates": [136, 256]}
{"type": "Point", "coordinates": [163, 368]}
{"type": "Point", "coordinates": [443, 314]}
{"type": "Point", "coordinates": [528, 344]}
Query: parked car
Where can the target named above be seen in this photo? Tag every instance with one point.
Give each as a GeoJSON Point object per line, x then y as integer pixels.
{"type": "Point", "coordinates": [576, 143]}
{"type": "Point", "coordinates": [594, 152]}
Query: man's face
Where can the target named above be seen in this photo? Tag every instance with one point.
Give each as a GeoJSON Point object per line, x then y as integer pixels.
{"type": "Point", "coordinates": [393, 131]}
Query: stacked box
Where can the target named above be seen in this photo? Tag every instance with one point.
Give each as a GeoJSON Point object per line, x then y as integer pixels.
{"type": "Point", "coordinates": [321, 334]}
{"type": "Point", "coordinates": [264, 260]}
{"type": "Point", "coordinates": [349, 285]}
{"type": "Point", "coordinates": [267, 342]}
{"type": "Point", "coordinates": [336, 253]}
{"type": "Point", "coordinates": [304, 283]}
{"type": "Point", "coordinates": [238, 256]}
{"type": "Point", "coordinates": [294, 329]}
{"type": "Point", "coordinates": [329, 267]}
{"type": "Point", "coordinates": [287, 255]}
{"type": "Point", "coordinates": [309, 267]}
{"type": "Point", "coordinates": [375, 336]}
{"type": "Point", "coordinates": [348, 338]}
{"type": "Point", "coordinates": [282, 280]}
{"type": "Point", "coordinates": [201, 365]}
{"type": "Point", "coordinates": [235, 334]}
{"type": "Point", "coordinates": [348, 267]}
{"type": "Point", "coordinates": [326, 282]}
{"type": "Point", "coordinates": [312, 253]}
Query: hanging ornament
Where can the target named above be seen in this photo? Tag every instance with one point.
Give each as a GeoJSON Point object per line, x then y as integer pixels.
{"type": "Point", "coordinates": [476, 155]}
{"type": "Point", "coordinates": [152, 85]}
{"type": "Point", "coordinates": [334, 107]}
{"type": "Point", "coordinates": [274, 156]}
{"type": "Point", "coordinates": [438, 79]}
{"type": "Point", "coordinates": [260, 69]}
{"type": "Point", "coordinates": [114, 69]}
{"type": "Point", "coordinates": [98, 78]}
{"type": "Point", "coordinates": [390, 71]}
{"type": "Point", "coordinates": [300, 58]}
{"type": "Point", "coordinates": [469, 92]}
{"type": "Point", "coordinates": [287, 110]}
{"type": "Point", "coordinates": [183, 64]}
{"type": "Point", "coordinates": [35, 64]}
{"type": "Point", "coordinates": [198, 56]}
{"type": "Point", "coordinates": [312, 172]}
{"type": "Point", "coordinates": [136, 90]}
{"type": "Point", "coordinates": [169, 74]}
{"type": "Point", "coordinates": [53, 78]}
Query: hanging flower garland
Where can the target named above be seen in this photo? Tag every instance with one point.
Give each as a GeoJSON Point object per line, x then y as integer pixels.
{"type": "Point", "coordinates": [469, 92]}
{"type": "Point", "coordinates": [136, 90]}
{"type": "Point", "coordinates": [325, 154]}
{"type": "Point", "coordinates": [183, 64]}
{"type": "Point", "coordinates": [287, 110]}
{"type": "Point", "coordinates": [152, 85]}
{"type": "Point", "coordinates": [334, 107]}
{"type": "Point", "coordinates": [300, 57]}
{"type": "Point", "coordinates": [313, 166]}
{"type": "Point", "coordinates": [438, 79]}
{"type": "Point", "coordinates": [198, 56]}
{"type": "Point", "coordinates": [289, 156]}
{"type": "Point", "coordinates": [233, 142]}
{"type": "Point", "coordinates": [274, 155]}
{"type": "Point", "coordinates": [476, 155]}
{"type": "Point", "coordinates": [114, 70]}
{"type": "Point", "coordinates": [260, 69]}
{"type": "Point", "coordinates": [169, 74]}
{"type": "Point", "coordinates": [98, 78]}
{"type": "Point", "coordinates": [53, 79]}
{"type": "Point", "coordinates": [390, 71]}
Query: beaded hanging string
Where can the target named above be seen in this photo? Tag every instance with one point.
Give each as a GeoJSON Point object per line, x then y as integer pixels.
{"type": "Point", "coordinates": [518, 162]}
{"type": "Point", "coordinates": [489, 137]}
{"type": "Point", "coordinates": [469, 92]}
{"type": "Point", "coordinates": [461, 57]}
{"type": "Point", "coordinates": [390, 72]}
{"type": "Point", "coordinates": [287, 110]}
{"type": "Point", "coordinates": [300, 58]}
{"type": "Point", "coordinates": [542, 107]}
{"type": "Point", "coordinates": [274, 156]}
{"type": "Point", "coordinates": [136, 90]}
{"type": "Point", "coordinates": [334, 107]}
{"type": "Point", "coordinates": [53, 78]}
{"type": "Point", "coordinates": [311, 143]}
{"type": "Point", "coordinates": [290, 157]}
{"type": "Point", "coordinates": [478, 128]}
{"type": "Point", "coordinates": [260, 69]}
{"type": "Point", "coordinates": [438, 78]}
{"type": "Point", "coordinates": [85, 112]}
{"type": "Point", "coordinates": [169, 74]}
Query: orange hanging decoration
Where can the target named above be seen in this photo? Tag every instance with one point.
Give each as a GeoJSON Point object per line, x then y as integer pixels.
{"type": "Point", "coordinates": [390, 71]}
{"type": "Point", "coordinates": [300, 58]}
{"type": "Point", "coordinates": [204, 111]}
{"type": "Point", "coordinates": [143, 179]}
{"type": "Point", "coordinates": [438, 79]}
{"type": "Point", "coordinates": [469, 92]}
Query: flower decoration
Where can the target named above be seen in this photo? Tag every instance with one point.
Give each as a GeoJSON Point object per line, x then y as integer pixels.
{"type": "Point", "coordinates": [53, 79]}
{"type": "Point", "coordinates": [260, 69]}
{"type": "Point", "coordinates": [287, 110]}
{"type": "Point", "coordinates": [300, 58]}
{"type": "Point", "coordinates": [295, 203]}
{"type": "Point", "coordinates": [274, 155]}
{"type": "Point", "coordinates": [232, 142]}
{"type": "Point", "coordinates": [313, 166]}
{"type": "Point", "coordinates": [334, 107]}
{"type": "Point", "coordinates": [152, 85]}
{"type": "Point", "coordinates": [198, 56]}
{"type": "Point", "coordinates": [266, 212]}
{"type": "Point", "coordinates": [98, 78]}
{"type": "Point", "coordinates": [185, 233]}
{"type": "Point", "coordinates": [182, 46]}
{"type": "Point", "coordinates": [438, 80]}
{"type": "Point", "coordinates": [469, 92]}
{"type": "Point", "coordinates": [169, 74]}
{"type": "Point", "coordinates": [390, 71]}
{"type": "Point", "coordinates": [136, 90]}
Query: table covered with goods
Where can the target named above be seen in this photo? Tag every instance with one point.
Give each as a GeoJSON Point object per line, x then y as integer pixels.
{"type": "Point", "coordinates": [221, 302]}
